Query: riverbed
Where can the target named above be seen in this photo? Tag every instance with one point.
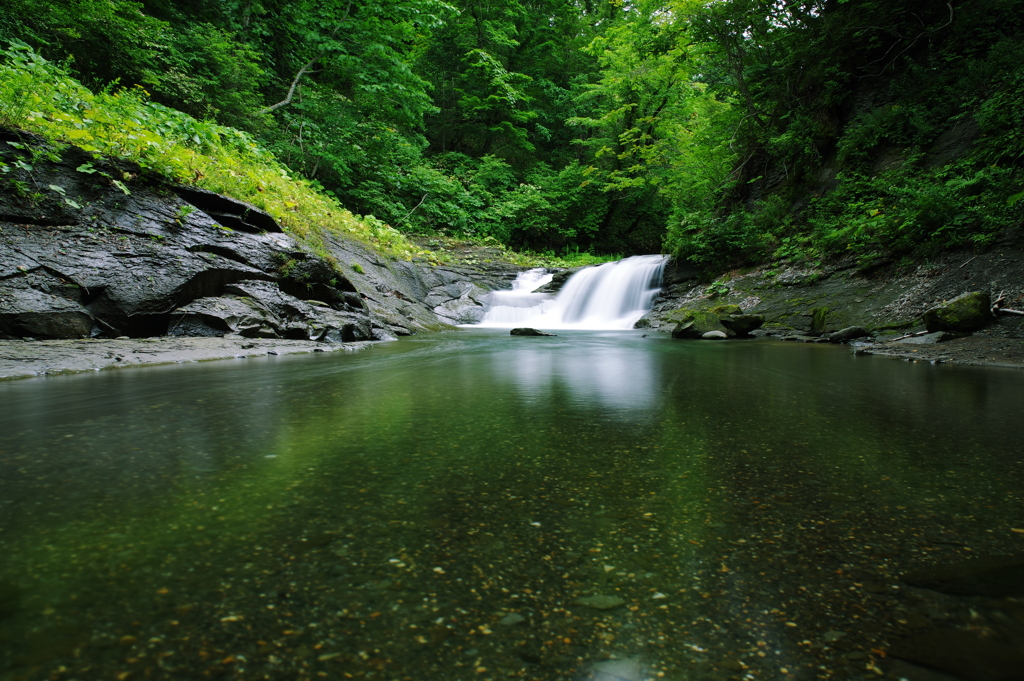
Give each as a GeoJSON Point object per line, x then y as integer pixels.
{"type": "Point", "coordinates": [596, 505]}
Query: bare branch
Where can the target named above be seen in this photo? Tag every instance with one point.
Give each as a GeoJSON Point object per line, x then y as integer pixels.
{"type": "Point", "coordinates": [291, 90]}
{"type": "Point", "coordinates": [414, 209]}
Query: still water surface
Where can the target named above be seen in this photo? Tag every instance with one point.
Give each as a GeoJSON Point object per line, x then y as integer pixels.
{"type": "Point", "coordinates": [478, 506]}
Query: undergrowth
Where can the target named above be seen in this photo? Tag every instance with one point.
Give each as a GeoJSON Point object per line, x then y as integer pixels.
{"type": "Point", "coordinates": [469, 249]}
{"type": "Point", "coordinates": [41, 97]}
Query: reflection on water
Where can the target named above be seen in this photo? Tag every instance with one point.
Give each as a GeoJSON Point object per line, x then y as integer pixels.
{"type": "Point", "coordinates": [479, 506]}
{"type": "Point", "coordinates": [614, 376]}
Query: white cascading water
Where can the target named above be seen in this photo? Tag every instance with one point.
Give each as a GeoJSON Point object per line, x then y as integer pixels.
{"type": "Point", "coordinates": [610, 296]}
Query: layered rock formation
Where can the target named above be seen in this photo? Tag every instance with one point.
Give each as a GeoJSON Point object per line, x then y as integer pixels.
{"type": "Point", "coordinates": [101, 249]}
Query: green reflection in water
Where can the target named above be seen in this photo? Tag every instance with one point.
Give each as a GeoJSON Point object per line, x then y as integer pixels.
{"type": "Point", "coordinates": [437, 508]}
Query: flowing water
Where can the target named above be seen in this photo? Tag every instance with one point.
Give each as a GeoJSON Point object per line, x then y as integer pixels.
{"type": "Point", "coordinates": [473, 505]}
{"type": "Point", "coordinates": [609, 296]}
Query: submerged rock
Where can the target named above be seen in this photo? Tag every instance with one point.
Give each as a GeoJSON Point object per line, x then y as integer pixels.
{"type": "Point", "coordinates": [966, 654]}
{"type": "Point", "coordinates": [526, 331]}
{"type": "Point", "coordinates": [998, 577]}
{"type": "Point", "coordinates": [600, 602]}
{"type": "Point", "coordinates": [512, 619]}
{"type": "Point", "coordinates": [629, 669]}
{"type": "Point", "coordinates": [965, 313]}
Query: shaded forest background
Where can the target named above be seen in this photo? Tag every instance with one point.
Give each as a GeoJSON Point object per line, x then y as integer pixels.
{"type": "Point", "coordinates": [727, 132]}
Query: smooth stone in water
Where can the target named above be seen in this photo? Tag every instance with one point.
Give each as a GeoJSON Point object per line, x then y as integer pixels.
{"type": "Point", "coordinates": [618, 670]}
{"type": "Point", "coordinates": [511, 619]}
{"type": "Point", "coordinates": [600, 602]}
{"type": "Point", "coordinates": [714, 335]}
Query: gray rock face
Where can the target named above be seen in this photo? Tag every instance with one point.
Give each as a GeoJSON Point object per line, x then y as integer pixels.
{"type": "Point", "coordinates": [89, 259]}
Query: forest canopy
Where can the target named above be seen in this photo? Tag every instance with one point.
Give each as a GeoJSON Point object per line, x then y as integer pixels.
{"type": "Point", "coordinates": [728, 132]}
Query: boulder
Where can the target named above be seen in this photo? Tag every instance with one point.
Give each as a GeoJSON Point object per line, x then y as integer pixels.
{"type": "Point", "coordinates": [729, 320]}
{"type": "Point", "coordinates": [965, 313]}
{"type": "Point", "coordinates": [557, 281]}
{"type": "Point", "coordinates": [696, 323]}
{"type": "Point", "coordinates": [847, 334]}
{"type": "Point", "coordinates": [525, 331]}
{"type": "Point", "coordinates": [714, 335]}
{"type": "Point", "coordinates": [742, 324]}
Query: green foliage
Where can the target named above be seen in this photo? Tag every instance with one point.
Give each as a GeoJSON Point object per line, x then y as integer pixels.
{"type": "Point", "coordinates": [727, 132]}
{"type": "Point", "coordinates": [39, 96]}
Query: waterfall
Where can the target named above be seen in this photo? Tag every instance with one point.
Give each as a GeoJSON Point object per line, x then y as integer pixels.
{"type": "Point", "coordinates": [610, 296]}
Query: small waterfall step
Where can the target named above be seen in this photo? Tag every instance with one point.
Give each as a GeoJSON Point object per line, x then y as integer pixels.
{"type": "Point", "coordinates": [609, 296]}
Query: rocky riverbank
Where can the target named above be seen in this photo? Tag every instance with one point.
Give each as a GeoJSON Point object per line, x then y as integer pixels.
{"type": "Point", "coordinates": [813, 304]}
{"type": "Point", "coordinates": [103, 250]}
{"type": "Point", "coordinates": [21, 359]}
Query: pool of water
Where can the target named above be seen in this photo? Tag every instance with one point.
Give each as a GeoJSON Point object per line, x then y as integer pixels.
{"type": "Point", "coordinates": [600, 505]}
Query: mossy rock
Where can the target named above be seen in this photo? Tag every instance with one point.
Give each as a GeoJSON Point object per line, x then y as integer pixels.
{"type": "Point", "coordinates": [819, 319]}
{"type": "Point", "coordinates": [742, 324]}
{"type": "Point", "coordinates": [725, 310]}
{"type": "Point", "coordinates": [965, 313]}
{"type": "Point", "coordinates": [696, 323]}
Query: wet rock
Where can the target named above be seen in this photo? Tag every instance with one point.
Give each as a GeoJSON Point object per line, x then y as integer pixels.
{"type": "Point", "coordinates": [526, 331]}
{"type": "Point", "coordinates": [26, 311]}
{"type": "Point", "coordinates": [557, 281]}
{"type": "Point", "coordinates": [714, 335]}
{"type": "Point", "coordinates": [600, 602]}
{"type": "Point", "coordinates": [152, 261]}
{"type": "Point", "coordinates": [926, 339]}
{"type": "Point", "coordinates": [229, 212]}
{"type": "Point", "coordinates": [742, 324]}
{"type": "Point", "coordinates": [965, 654]}
{"type": "Point", "coordinates": [965, 313]}
{"type": "Point", "coordinates": [998, 577]}
{"type": "Point", "coordinates": [848, 334]}
{"type": "Point", "coordinates": [697, 322]}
